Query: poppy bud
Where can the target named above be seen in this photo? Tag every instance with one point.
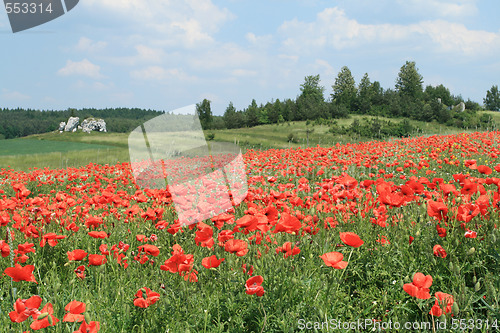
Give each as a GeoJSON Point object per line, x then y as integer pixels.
{"type": "Point", "coordinates": [51, 321]}
{"type": "Point", "coordinates": [87, 317]}
{"type": "Point", "coordinates": [407, 279]}
{"type": "Point", "coordinates": [457, 269]}
{"type": "Point", "coordinates": [457, 242]}
{"type": "Point", "coordinates": [474, 279]}
{"type": "Point", "coordinates": [450, 266]}
{"type": "Point", "coordinates": [384, 300]}
{"type": "Point", "coordinates": [477, 286]}
{"type": "Point", "coordinates": [471, 251]}
{"type": "Point", "coordinates": [493, 238]}
{"type": "Point", "coordinates": [454, 308]}
{"type": "Point", "coordinates": [417, 233]}
{"type": "Point", "coordinates": [42, 316]}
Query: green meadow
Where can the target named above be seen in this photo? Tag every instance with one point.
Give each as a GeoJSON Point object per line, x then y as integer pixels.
{"type": "Point", "coordinates": [60, 150]}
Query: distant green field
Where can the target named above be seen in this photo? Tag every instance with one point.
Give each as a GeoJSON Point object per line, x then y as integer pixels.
{"type": "Point", "coordinates": [59, 150]}
{"type": "Point", "coordinates": [34, 146]}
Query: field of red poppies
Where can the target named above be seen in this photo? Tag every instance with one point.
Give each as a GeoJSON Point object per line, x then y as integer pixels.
{"type": "Point", "coordinates": [371, 234]}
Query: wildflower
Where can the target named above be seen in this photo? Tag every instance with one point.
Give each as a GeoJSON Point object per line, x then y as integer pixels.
{"type": "Point", "coordinates": [254, 286]}
{"type": "Point", "coordinates": [419, 288]}
{"type": "Point", "coordinates": [75, 310]}
{"type": "Point", "coordinates": [145, 297]}
{"type": "Point", "coordinates": [211, 262]}
{"type": "Point", "coordinates": [443, 301]}
{"type": "Point", "coordinates": [439, 251]}
{"type": "Point", "coordinates": [351, 239]}
{"type": "Point", "coordinates": [20, 273]}
{"type": "Point", "coordinates": [334, 259]}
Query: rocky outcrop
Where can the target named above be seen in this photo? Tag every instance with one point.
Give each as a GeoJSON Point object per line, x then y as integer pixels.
{"type": "Point", "coordinates": [72, 124]}
{"type": "Point", "coordinates": [92, 124]}
{"type": "Point", "coordinates": [88, 125]}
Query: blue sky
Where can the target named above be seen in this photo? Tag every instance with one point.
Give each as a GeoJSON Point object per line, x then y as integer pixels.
{"type": "Point", "coordinates": [165, 54]}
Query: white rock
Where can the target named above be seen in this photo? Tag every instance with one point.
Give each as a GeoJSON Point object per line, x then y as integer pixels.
{"type": "Point", "coordinates": [72, 124]}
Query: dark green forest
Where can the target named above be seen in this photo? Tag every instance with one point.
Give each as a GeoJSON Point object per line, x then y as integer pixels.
{"type": "Point", "coordinates": [408, 99]}
{"type": "Point", "coordinates": [19, 122]}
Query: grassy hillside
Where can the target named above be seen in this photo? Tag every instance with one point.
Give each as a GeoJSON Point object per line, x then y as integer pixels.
{"type": "Point", "coordinates": [55, 150]}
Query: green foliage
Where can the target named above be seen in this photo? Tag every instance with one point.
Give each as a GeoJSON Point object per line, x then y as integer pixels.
{"type": "Point", "coordinates": [204, 113]}
{"type": "Point", "coordinates": [492, 99]}
{"type": "Point", "coordinates": [376, 128]}
{"type": "Point", "coordinates": [409, 81]}
{"type": "Point", "coordinates": [311, 103]}
{"type": "Point", "coordinates": [344, 89]}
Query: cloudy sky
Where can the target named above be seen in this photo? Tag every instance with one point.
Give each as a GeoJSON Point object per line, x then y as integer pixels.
{"type": "Point", "coordinates": [166, 54]}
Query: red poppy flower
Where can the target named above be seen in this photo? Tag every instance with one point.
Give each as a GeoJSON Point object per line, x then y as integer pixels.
{"type": "Point", "coordinates": [441, 231]}
{"type": "Point", "coordinates": [286, 248]}
{"type": "Point", "coordinates": [92, 327]}
{"type": "Point", "coordinates": [419, 288]}
{"type": "Point", "coordinates": [437, 209]}
{"type": "Point", "coordinates": [288, 224]}
{"type": "Point", "coordinates": [439, 251]}
{"type": "Point", "coordinates": [75, 310]}
{"type": "Point", "coordinates": [334, 259]}
{"type": "Point", "coordinates": [97, 259]}
{"type": "Point", "coordinates": [248, 270]}
{"type": "Point", "coordinates": [254, 286]}
{"type": "Point", "coordinates": [351, 239]}
{"type": "Point", "coordinates": [141, 238]}
{"type": "Point", "coordinates": [98, 234]}
{"type": "Point", "coordinates": [4, 248]}
{"type": "Point", "coordinates": [443, 301]}
{"type": "Point", "coordinates": [76, 255]}
{"type": "Point", "coordinates": [211, 262]}
{"type": "Point", "coordinates": [237, 246]}
{"type": "Point", "coordinates": [45, 321]}
{"type": "Point", "coordinates": [80, 272]}
{"type": "Point", "coordinates": [51, 238]}
{"type": "Point", "coordinates": [470, 234]}
{"type": "Point", "coordinates": [20, 273]}
{"type": "Point", "coordinates": [411, 239]}
{"type": "Point", "coordinates": [25, 308]}
{"type": "Point", "coordinates": [145, 297]}
{"type": "Point", "coordinates": [485, 170]}
{"type": "Point", "coordinates": [150, 249]}
{"type": "Point", "coordinates": [179, 262]}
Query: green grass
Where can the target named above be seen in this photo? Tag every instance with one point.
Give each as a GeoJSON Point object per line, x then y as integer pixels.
{"type": "Point", "coordinates": [31, 146]}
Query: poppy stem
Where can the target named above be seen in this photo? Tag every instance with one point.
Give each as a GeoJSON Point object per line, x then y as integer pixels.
{"type": "Point", "coordinates": [265, 317]}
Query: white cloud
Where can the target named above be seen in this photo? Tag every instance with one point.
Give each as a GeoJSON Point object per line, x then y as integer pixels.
{"type": "Point", "coordinates": [333, 29]}
{"type": "Point", "coordinates": [259, 41]}
{"type": "Point", "coordinates": [440, 8]}
{"type": "Point", "coordinates": [243, 72]}
{"type": "Point", "coordinates": [453, 37]}
{"type": "Point", "coordinates": [144, 54]}
{"type": "Point", "coordinates": [84, 68]}
{"type": "Point", "coordinates": [157, 73]}
{"type": "Point", "coordinates": [14, 95]}
{"type": "Point", "coordinates": [87, 45]}
{"type": "Point", "coordinates": [187, 23]}
{"type": "Point", "coordinates": [226, 56]}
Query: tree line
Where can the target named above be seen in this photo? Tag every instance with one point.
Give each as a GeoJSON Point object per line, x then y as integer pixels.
{"type": "Point", "coordinates": [20, 122]}
{"type": "Point", "coordinates": [408, 99]}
